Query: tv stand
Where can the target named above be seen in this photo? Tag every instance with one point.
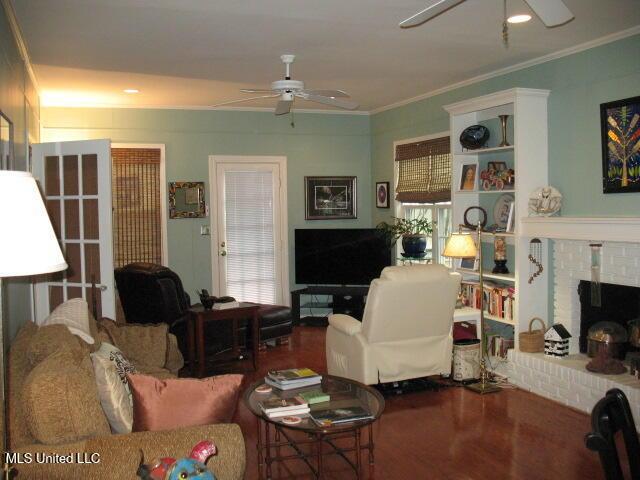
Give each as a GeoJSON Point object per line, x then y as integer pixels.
{"type": "Point", "coordinates": [347, 300]}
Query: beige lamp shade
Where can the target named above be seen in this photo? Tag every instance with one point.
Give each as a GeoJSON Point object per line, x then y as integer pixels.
{"type": "Point", "coordinates": [28, 244]}
{"type": "Point", "coordinates": [460, 245]}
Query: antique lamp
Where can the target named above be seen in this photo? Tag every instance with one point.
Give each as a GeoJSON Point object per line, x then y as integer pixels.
{"type": "Point", "coordinates": [462, 245]}
{"type": "Point", "coordinates": [28, 246]}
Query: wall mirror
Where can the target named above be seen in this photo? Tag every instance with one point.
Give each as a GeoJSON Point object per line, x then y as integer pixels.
{"type": "Point", "coordinates": [6, 142]}
{"type": "Point", "coordinates": [186, 200]}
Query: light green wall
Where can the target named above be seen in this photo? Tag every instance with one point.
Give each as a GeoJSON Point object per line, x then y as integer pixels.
{"type": "Point", "coordinates": [579, 83]}
{"type": "Point", "coordinates": [320, 144]}
{"type": "Point", "coordinates": [19, 102]}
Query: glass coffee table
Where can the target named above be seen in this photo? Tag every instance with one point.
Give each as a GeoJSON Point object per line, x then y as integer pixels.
{"type": "Point", "coordinates": [308, 441]}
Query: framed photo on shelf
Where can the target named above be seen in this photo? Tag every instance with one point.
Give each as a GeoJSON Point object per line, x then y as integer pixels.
{"type": "Point", "coordinates": [382, 194]}
{"type": "Point", "coordinates": [468, 175]}
{"type": "Point", "coordinates": [511, 220]}
{"type": "Point", "coordinates": [620, 130]}
{"type": "Point", "coordinates": [469, 264]}
{"type": "Point", "coordinates": [497, 166]}
{"type": "Point", "coordinates": [329, 198]}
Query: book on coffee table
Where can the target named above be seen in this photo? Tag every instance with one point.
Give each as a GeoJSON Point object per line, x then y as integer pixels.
{"type": "Point", "coordinates": [334, 416]}
{"type": "Point", "coordinates": [315, 396]}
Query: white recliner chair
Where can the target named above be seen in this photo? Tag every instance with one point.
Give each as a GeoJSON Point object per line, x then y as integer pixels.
{"type": "Point", "coordinates": [406, 331]}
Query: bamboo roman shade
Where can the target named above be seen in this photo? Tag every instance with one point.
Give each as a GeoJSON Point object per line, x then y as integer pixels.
{"type": "Point", "coordinates": [424, 171]}
{"type": "Point", "coordinates": [136, 205]}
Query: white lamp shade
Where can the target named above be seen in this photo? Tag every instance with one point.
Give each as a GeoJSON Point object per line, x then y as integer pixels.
{"type": "Point", "coordinates": [460, 245]}
{"type": "Point", "coordinates": [28, 244]}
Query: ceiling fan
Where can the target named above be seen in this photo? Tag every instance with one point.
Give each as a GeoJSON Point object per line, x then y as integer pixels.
{"type": "Point", "coordinates": [287, 90]}
{"type": "Point", "coordinates": [551, 12]}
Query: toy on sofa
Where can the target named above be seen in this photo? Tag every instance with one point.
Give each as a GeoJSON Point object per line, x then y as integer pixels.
{"type": "Point", "coordinates": [192, 467]}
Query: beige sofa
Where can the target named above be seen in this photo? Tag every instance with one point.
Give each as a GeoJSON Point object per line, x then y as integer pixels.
{"type": "Point", "coordinates": [54, 407]}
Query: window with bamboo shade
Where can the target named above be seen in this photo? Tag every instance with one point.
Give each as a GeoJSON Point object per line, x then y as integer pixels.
{"type": "Point", "coordinates": [424, 171]}
{"type": "Point", "coordinates": [137, 225]}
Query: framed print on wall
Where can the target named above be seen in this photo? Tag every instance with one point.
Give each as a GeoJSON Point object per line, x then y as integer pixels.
{"type": "Point", "coordinates": [328, 198]}
{"type": "Point", "coordinates": [382, 194]}
{"type": "Point", "coordinates": [620, 130]}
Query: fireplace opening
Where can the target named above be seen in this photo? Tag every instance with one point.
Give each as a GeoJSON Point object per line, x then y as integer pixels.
{"type": "Point", "coordinates": [620, 304]}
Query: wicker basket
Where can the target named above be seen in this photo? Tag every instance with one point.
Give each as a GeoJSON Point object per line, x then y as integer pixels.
{"type": "Point", "coordinates": [533, 340]}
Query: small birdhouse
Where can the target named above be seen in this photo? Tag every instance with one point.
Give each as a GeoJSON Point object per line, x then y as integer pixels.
{"type": "Point", "coordinates": [556, 341]}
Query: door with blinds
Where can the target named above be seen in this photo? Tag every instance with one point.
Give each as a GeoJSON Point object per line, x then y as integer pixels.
{"type": "Point", "coordinates": [76, 181]}
{"type": "Point", "coordinates": [250, 257]}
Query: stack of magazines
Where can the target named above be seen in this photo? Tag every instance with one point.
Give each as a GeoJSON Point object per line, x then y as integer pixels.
{"type": "Point", "coordinates": [292, 378]}
{"type": "Point", "coordinates": [284, 407]}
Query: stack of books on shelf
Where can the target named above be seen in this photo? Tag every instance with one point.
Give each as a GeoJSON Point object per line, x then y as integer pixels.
{"type": "Point", "coordinates": [292, 378]}
{"type": "Point", "coordinates": [276, 407]}
{"type": "Point", "coordinates": [498, 299]}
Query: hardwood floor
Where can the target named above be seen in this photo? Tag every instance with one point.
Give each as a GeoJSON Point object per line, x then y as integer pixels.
{"type": "Point", "coordinates": [450, 434]}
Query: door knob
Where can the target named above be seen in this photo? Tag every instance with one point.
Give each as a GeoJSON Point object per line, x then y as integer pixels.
{"type": "Point", "coordinates": [223, 253]}
{"type": "Point", "coordinates": [223, 244]}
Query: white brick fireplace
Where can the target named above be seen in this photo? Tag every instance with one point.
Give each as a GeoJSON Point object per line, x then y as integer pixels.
{"type": "Point", "coordinates": [567, 380]}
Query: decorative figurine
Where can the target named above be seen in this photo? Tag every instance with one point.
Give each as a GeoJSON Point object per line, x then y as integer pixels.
{"type": "Point", "coordinates": [500, 255]}
{"type": "Point", "coordinates": [192, 467]}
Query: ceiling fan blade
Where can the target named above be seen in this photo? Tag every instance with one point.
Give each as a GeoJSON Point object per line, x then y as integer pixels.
{"type": "Point", "coordinates": [283, 107]}
{"type": "Point", "coordinates": [245, 100]}
{"type": "Point", "coordinates": [551, 12]}
{"type": "Point", "coordinates": [428, 13]}
{"type": "Point", "coordinates": [334, 102]}
{"type": "Point", "coordinates": [328, 93]}
{"type": "Point", "coordinates": [256, 90]}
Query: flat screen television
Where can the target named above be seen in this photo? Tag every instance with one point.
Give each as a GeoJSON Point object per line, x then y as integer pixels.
{"type": "Point", "coordinates": [340, 256]}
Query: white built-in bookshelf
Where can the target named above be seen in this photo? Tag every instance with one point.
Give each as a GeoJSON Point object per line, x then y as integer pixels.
{"type": "Point", "coordinates": [527, 155]}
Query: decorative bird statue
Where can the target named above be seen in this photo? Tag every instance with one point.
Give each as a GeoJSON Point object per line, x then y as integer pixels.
{"type": "Point", "coordinates": [191, 468]}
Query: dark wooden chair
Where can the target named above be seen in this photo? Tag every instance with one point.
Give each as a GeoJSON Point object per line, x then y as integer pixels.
{"type": "Point", "coordinates": [611, 415]}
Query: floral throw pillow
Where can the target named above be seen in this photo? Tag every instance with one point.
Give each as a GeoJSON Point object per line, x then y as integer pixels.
{"type": "Point", "coordinates": [111, 368]}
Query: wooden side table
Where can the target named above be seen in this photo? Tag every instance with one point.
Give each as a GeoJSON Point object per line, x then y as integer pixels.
{"type": "Point", "coordinates": [198, 316]}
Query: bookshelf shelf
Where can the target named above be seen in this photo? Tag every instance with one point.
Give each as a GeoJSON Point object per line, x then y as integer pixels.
{"type": "Point", "coordinates": [527, 131]}
{"type": "Point", "coordinates": [482, 151]}
{"type": "Point", "coordinates": [474, 314]}
{"type": "Point", "coordinates": [471, 192]}
{"type": "Point", "coordinates": [509, 278]}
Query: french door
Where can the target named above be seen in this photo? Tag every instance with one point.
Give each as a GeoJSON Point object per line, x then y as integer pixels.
{"type": "Point", "coordinates": [76, 182]}
{"type": "Point", "coordinates": [249, 242]}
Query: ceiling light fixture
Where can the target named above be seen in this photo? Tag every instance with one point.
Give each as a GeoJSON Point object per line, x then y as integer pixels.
{"type": "Point", "coordinates": [131, 90]}
{"type": "Point", "coordinates": [519, 18]}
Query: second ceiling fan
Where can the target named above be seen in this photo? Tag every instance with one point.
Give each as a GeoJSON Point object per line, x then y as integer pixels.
{"type": "Point", "coordinates": [551, 12]}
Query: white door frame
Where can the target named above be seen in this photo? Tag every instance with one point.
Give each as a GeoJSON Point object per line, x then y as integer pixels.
{"type": "Point", "coordinates": [281, 161]}
{"type": "Point", "coordinates": [164, 202]}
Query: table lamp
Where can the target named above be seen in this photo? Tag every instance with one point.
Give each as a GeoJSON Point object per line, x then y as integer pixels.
{"type": "Point", "coordinates": [28, 246]}
{"type": "Point", "coordinates": [462, 245]}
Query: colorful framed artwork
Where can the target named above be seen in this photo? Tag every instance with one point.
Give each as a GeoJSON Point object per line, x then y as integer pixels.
{"type": "Point", "coordinates": [329, 198]}
{"type": "Point", "coordinates": [382, 194]}
{"type": "Point", "coordinates": [620, 129]}
{"type": "Point", "coordinates": [468, 176]}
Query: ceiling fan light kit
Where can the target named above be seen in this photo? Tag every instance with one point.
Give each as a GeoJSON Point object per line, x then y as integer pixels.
{"type": "Point", "coordinates": [287, 90]}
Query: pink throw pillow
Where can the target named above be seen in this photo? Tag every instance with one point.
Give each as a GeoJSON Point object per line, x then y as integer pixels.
{"type": "Point", "coordinates": [182, 402]}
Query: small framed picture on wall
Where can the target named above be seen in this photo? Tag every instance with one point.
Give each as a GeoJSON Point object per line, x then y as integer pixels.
{"type": "Point", "coordinates": [382, 194]}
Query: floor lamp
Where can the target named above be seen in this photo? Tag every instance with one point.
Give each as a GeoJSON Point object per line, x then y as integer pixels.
{"type": "Point", "coordinates": [462, 245]}
{"type": "Point", "coordinates": [28, 246]}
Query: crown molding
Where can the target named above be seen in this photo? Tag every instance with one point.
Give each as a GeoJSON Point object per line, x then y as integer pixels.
{"type": "Point", "coordinates": [206, 108]}
{"type": "Point", "coordinates": [19, 39]}
{"type": "Point", "coordinates": [514, 68]}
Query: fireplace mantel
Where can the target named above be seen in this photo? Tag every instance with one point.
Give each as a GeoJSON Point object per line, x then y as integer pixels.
{"type": "Point", "coordinates": [605, 229]}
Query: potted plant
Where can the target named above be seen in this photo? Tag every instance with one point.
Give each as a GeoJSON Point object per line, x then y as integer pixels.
{"type": "Point", "coordinates": [412, 231]}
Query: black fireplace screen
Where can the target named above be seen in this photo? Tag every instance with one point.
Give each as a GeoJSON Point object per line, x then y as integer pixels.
{"type": "Point", "coordinates": [620, 304]}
